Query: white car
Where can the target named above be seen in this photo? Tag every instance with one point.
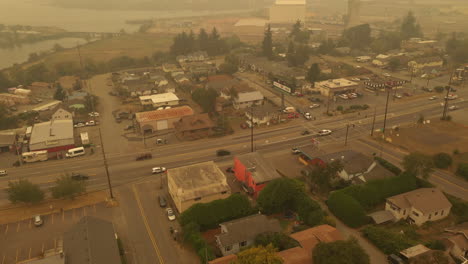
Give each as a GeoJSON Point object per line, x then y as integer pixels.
{"type": "Point", "coordinates": [314, 106]}
{"type": "Point", "coordinates": [343, 96]}
{"type": "Point", "coordinates": [95, 114]}
{"type": "Point", "coordinates": [3, 173]}
{"type": "Point", "coordinates": [355, 79]}
{"type": "Point", "coordinates": [92, 123]}
{"type": "Point", "coordinates": [452, 97]}
{"type": "Point", "coordinates": [170, 214]}
{"type": "Point", "coordinates": [156, 170]}
{"type": "Point", "coordinates": [324, 132]}
{"type": "Point", "coordinates": [398, 96]}
{"type": "Point", "coordinates": [387, 74]}
{"type": "Point", "coordinates": [38, 220]}
{"type": "Point", "coordinates": [453, 107]}
{"type": "Point", "coordinates": [432, 97]}
{"type": "Point", "coordinates": [79, 125]}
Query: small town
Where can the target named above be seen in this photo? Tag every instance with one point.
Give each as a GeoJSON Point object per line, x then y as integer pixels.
{"type": "Point", "coordinates": [251, 132]}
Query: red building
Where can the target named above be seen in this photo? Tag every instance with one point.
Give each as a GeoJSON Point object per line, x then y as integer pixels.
{"type": "Point", "coordinates": [253, 172]}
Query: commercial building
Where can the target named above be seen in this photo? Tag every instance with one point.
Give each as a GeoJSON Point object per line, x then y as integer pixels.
{"type": "Point", "coordinates": [197, 183]}
{"type": "Point", "coordinates": [53, 136]}
{"type": "Point", "coordinates": [336, 87]}
{"type": "Point", "coordinates": [418, 65]}
{"type": "Point", "coordinates": [419, 206]}
{"type": "Point", "coordinates": [253, 172]}
{"type": "Point", "coordinates": [247, 99]}
{"type": "Point", "coordinates": [150, 121]}
{"type": "Point", "coordinates": [195, 126]}
{"type": "Point", "coordinates": [241, 233]}
{"type": "Point", "coordinates": [158, 100]}
{"type": "Point", "coordinates": [288, 11]}
{"type": "Point", "coordinates": [62, 114]}
{"type": "Point", "coordinates": [7, 141]}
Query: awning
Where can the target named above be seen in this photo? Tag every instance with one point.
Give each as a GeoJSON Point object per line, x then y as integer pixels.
{"type": "Point", "coordinates": [383, 216]}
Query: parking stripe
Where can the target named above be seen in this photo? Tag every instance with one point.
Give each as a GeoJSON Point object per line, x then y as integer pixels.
{"type": "Point", "coordinates": [3, 259]}
{"type": "Point", "coordinates": [63, 215]}
{"type": "Point", "coordinates": [42, 251]}
{"type": "Point", "coordinates": [6, 230]}
{"type": "Point", "coordinates": [18, 226]}
{"type": "Point", "coordinates": [84, 211]}
{"type": "Point", "coordinates": [29, 255]}
{"type": "Point", "coordinates": [30, 223]}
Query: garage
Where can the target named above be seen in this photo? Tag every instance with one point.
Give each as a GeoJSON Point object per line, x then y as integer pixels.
{"type": "Point", "coordinates": [162, 124]}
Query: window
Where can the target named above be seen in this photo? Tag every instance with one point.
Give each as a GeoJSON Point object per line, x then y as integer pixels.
{"type": "Point", "coordinates": [243, 244]}
{"type": "Point", "coordinates": [416, 214]}
{"type": "Point", "coordinates": [436, 213]}
{"type": "Point", "coordinates": [227, 248]}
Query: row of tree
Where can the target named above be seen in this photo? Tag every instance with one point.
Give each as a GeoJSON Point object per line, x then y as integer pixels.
{"type": "Point", "coordinates": [211, 43]}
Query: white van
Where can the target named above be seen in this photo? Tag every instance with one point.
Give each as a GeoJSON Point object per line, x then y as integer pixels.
{"type": "Point", "coordinates": [75, 152]}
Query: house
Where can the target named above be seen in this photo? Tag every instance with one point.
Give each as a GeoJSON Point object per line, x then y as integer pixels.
{"type": "Point", "coordinates": [262, 114]}
{"type": "Point", "coordinates": [90, 241]}
{"type": "Point", "coordinates": [13, 99]}
{"type": "Point", "coordinates": [7, 141]}
{"type": "Point", "coordinates": [224, 84]}
{"type": "Point", "coordinates": [357, 167]}
{"type": "Point", "coordinates": [151, 121]}
{"type": "Point", "coordinates": [419, 206]}
{"type": "Point", "coordinates": [181, 79]}
{"type": "Point", "coordinates": [22, 92]}
{"type": "Point", "coordinates": [198, 183]}
{"type": "Point", "coordinates": [159, 80]}
{"type": "Point", "coordinates": [336, 86]}
{"type": "Point", "coordinates": [77, 96]}
{"type": "Point", "coordinates": [53, 136]}
{"type": "Point", "coordinates": [253, 172]}
{"type": "Point", "coordinates": [199, 69]}
{"type": "Point", "coordinates": [241, 233]}
{"type": "Point", "coordinates": [168, 68]}
{"type": "Point", "coordinates": [195, 126]}
{"type": "Point", "coordinates": [158, 100]}
{"type": "Point", "coordinates": [456, 239]}
{"type": "Point", "coordinates": [419, 64]}
{"type": "Point", "coordinates": [197, 56]}
{"type": "Point", "coordinates": [62, 114]}
{"type": "Point", "coordinates": [248, 99]}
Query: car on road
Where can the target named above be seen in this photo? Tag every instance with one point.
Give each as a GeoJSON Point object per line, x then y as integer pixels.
{"type": "Point", "coordinates": [305, 132]}
{"type": "Point", "coordinates": [295, 151]}
{"type": "Point", "coordinates": [451, 96]}
{"type": "Point", "coordinates": [407, 94]}
{"type": "Point", "coordinates": [314, 106]}
{"type": "Point", "coordinates": [222, 152]}
{"type": "Point", "coordinates": [129, 127]}
{"type": "Point", "coordinates": [79, 177]}
{"type": "Point", "coordinates": [453, 108]}
{"type": "Point", "coordinates": [398, 96]}
{"type": "Point", "coordinates": [144, 156]}
{"type": "Point", "coordinates": [170, 214]}
{"type": "Point", "coordinates": [162, 201]}
{"type": "Point", "coordinates": [324, 132]}
{"type": "Point", "coordinates": [386, 74]}
{"type": "Point", "coordinates": [432, 97]}
{"type": "Point", "coordinates": [79, 125]}
{"type": "Point", "coordinates": [157, 170]}
{"type": "Point", "coordinates": [38, 220]}
{"type": "Point", "coordinates": [95, 114]}
{"type": "Point", "coordinates": [355, 79]}
{"type": "Point", "coordinates": [343, 96]}
{"type": "Point", "coordinates": [315, 99]}
{"type": "Point", "coordinates": [92, 123]}
{"type": "Point", "coordinates": [3, 173]}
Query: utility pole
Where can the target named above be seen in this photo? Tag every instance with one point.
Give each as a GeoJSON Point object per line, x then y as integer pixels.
{"type": "Point", "coordinates": [444, 114]}
{"type": "Point", "coordinates": [252, 130]}
{"type": "Point", "coordinates": [328, 102]}
{"type": "Point", "coordinates": [20, 158]}
{"type": "Point", "coordinates": [106, 166]}
{"type": "Point", "coordinates": [386, 110]}
{"type": "Point", "coordinates": [373, 122]}
{"type": "Point", "coordinates": [346, 138]}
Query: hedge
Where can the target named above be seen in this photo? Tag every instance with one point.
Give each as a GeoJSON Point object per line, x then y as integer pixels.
{"type": "Point", "coordinates": [193, 236]}
{"type": "Point", "coordinates": [390, 242]}
{"type": "Point", "coordinates": [389, 166]}
{"type": "Point", "coordinates": [347, 209]}
{"type": "Point", "coordinates": [462, 170]}
{"type": "Point", "coordinates": [459, 208]}
{"type": "Point", "coordinates": [442, 160]}
{"type": "Point", "coordinates": [210, 215]}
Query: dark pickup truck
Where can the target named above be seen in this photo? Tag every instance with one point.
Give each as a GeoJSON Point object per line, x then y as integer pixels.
{"type": "Point", "coordinates": [144, 156]}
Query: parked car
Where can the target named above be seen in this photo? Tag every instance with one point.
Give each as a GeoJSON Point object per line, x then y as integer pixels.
{"type": "Point", "coordinates": [314, 99]}
{"type": "Point", "coordinates": [157, 170]}
{"type": "Point", "coordinates": [453, 108]}
{"type": "Point", "coordinates": [295, 151]}
{"type": "Point", "coordinates": [162, 201]}
{"type": "Point", "coordinates": [129, 127]}
{"type": "Point", "coordinates": [144, 156]}
{"type": "Point", "coordinates": [3, 173]}
{"type": "Point", "coordinates": [324, 132]}
{"type": "Point", "coordinates": [170, 214]}
{"type": "Point", "coordinates": [92, 123]}
{"type": "Point", "coordinates": [79, 177]}
{"type": "Point", "coordinates": [407, 94]}
{"type": "Point", "coordinates": [243, 125]}
{"type": "Point", "coordinates": [394, 259]}
{"type": "Point", "coordinates": [38, 220]}
{"type": "Point", "coordinates": [386, 74]}
{"type": "Point", "coordinates": [305, 132]}
{"type": "Point", "coordinates": [398, 96]}
{"type": "Point", "coordinates": [314, 106]}
{"type": "Point", "coordinates": [343, 96]}
{"type": "Point", "coordinates": [432, 97]}
{"type": "Point", "coordinates": [451, 96]}
{"type": "Point", "coordinates": [222, 152]}
{"type": "Point", "coordinates": [79, 125]}
{"type": "Point", "coordinates": [229, 170]}
{"type": "Point", "coordinates": [95, 114]}
{"type": "Point", "coordinates": [355, 79]}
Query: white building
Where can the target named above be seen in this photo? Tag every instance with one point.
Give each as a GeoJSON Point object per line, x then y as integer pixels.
{"type": "Point", "coordinates": [248, 99]}
{"type": "Point", "coordinates": [62, 114]}
{"type": "Point", "coordinates": [157, 100]}
{"type": "Point", "coordinates": [288, 11]}
{"type": "Point", "coordinates": [336, 86]}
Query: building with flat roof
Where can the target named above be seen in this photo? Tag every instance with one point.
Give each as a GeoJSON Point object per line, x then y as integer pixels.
{"type": "Point", "coordinates": [336, 87]}
{"type": "Point", "coordinates": [150, 121]}
{"type": "Point", "coordinates": [53, 136]}
{"type": "Point", "coordinates": [288, 11]}
{"type": "Point", "coordinates": [158, 100]}
{"type": "Point", "coordinates": [198, 183]}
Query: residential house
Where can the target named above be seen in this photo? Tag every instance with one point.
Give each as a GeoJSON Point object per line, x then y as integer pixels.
{"type": "Point", "coordinates": [53, 136]}
{"type": "Point", "coordinates": [159, 80]}
{"type": "Point", "coordinates": [7, 141]}
{"type": "Point", "coordinates": [253, 172]}
{"type": "Point", "coordinates": [197, 183]}
{"type": "Point", "coordinates": [224, 84]}
{"type": "Point", "coordinates": [156, 120]}
{"type": "Point", "coordinates": [77, 96]}
{"type": "Point", "coordinates": [90, 241]}
{"type": "Point", "coordinates": [181, 78]}
{"type": "Point", "coordinates": [419, 206]}
{"type": "Point", "coordinates": [357, 167]}
{"type": "Point", "coordinates": [22, 92]}
{"type": "Point", "coordinates": [248, 99]}
{"type": "Point", "coordinates": [241, 233]}
{"type": "Point", "coordinates": [197, 56]}
{"type": "Point", "coordinates": [262, 114]}
{"type": "Point", "coordinates": [62, 114]}
{"type": "Point", "coordinates": [336, 86]}
{"type": "Point", "coordinates": [456, 239]}
{"type": "Point", "coordinates": [168, 68]}
{"type": "Point", "coordinates": [195, 126]}
{"type": "Point", "coordinates": [199, 69]}
{"type": "Point", "coordinates": [158, 100]}
{"type": "Point", "coordinates": [419, 64]}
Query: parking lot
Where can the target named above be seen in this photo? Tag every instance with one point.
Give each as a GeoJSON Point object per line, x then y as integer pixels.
{"type": "Point", "coordinates": [22, 240]}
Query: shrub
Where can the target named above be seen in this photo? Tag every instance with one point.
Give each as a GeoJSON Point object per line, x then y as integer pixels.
{"type": "Point", "coordinates": [192, 235]}
{"type": "Point", "coordinates": [348, 251]}
{"type": "Point", "coordinates": [339, 108]}
{"type": "Point", "coordinates": [442, 160]}
{"type": "Point", "coordinates": [278, 240]}
{"type": "Point", "coordinates": [436, 245]}
{"type": "Point", "coordinates": [389, 166]}
{"type": "Point", "coordinates": [459, 208]}
{"type": "Point", "coordinates": [463, 170]}
{"type": "Point", "coordinates": [388, 241]}
{"type": "Point", "coordinates": [347, 209]}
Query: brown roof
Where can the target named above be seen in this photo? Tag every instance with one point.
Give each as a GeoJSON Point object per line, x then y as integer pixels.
{"type": "Point", "coordinates": [426, 200]}
{"type": "Point", "coordinates": [164, 114]}
{"type": "Point", "coordinates": [296, 255]}
{"type": "Point", "coordinates": [220, 77]}
{"type": "Point", "coordinates": [194, 122]}
{"type": "Point", "coordinates": [224, 260]}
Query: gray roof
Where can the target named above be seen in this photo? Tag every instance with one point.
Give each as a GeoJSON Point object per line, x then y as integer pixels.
{"type": "Point", "coordinates": [249, 97]}
{"type": "Point", "coordinates": [7, 139]}
{"type": "Point", "coordinates": [383, 216]}
{"type": "Point", "coordinates": [91, 241]}
{"type": "Point", "coordinates": [261, 170]}
{"type": "Point", "coordinates": [354, 162]}
{"type": "Point", "coordinates": [52, 130]}
{"type": "Point", "coordinates": [262, 111]}
{"type": "Point", "coordinates": [426, 200]}
{"type": "Point", "coordinates": [247, 228]}
{"type": "Point", "coordinates": [197, 180]}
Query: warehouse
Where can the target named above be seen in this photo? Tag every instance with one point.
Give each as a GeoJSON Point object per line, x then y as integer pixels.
{"type": "Point", "coordinates": [53, 136]}
{"type": "Point", "coordinates": [158, 100]}
{"type": "Point", "coordinates": [288, 11]}
{"type": "Point", "coordinates": [151, 121]}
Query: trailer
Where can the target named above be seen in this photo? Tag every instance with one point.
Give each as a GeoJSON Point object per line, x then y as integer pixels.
{"type": "Point", "coordinates": [34, 156]}
{"type": "Point", "coordinates": [84, 138]}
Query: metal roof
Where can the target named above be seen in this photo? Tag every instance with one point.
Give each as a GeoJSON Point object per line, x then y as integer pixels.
{"type": "Point", "coordinates": [160, 98]}
{"type": "Point", "coordinates": [51, 131]}
{"type": "Point", "coordinates": [249, 97]}
{"type": "Point", "coordinates": [164, 114]}
{"type": "Point", "coordinates": [261, 170]}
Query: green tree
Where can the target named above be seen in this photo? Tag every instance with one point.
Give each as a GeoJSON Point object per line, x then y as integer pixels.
{"type": "Point", "coordinates": [394, 64]}
{"type": "Point", "coordinates": [59, 94]}
{"type": "Point", "coordinates": [418, 164]}
{"type": "Point", "coordinates": [359, 37]}
{"type": "Point", "coordinates": [206, 98]}
{"type": "Point", "coordinates": [410, 28]}
{"type": "Point", "coordinates": [340, 252]}
{"type": "Point", "coordinates": [5, 82]}
{"type": "Point", "coordinates": [387, 240]}
{"type": "Point", "coordinates": [442, 160]}
{"type": "Point", "coordinates": [66, 187]}
{"type": "Point", "coordinates": [279, 240]}
{"type": "Point", "coordinates": [24, 191]}
{"type": "Point", "coordinates": [387, 40]}
{"type": "Point", "coordinates": [228, 68]}
{"type": "Point", "coordinates": [258, 255]}
{"type": "Point", "coordinates": [267, 44]}
{"type": "Point", "coordinates": [457, 48]}
{"type": "Point", "coordinates": [203, 40]}
{"type": "Point", "coordinates": [313, 74]}
{"type": "Point", "coordinates": [462, 170]}
{"type": "Point", "coordinates": [291, 54]}
{"type": "Point", "coordinates": [324, 176]}
{"type": "Point", "coordinates": [347, 209]}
